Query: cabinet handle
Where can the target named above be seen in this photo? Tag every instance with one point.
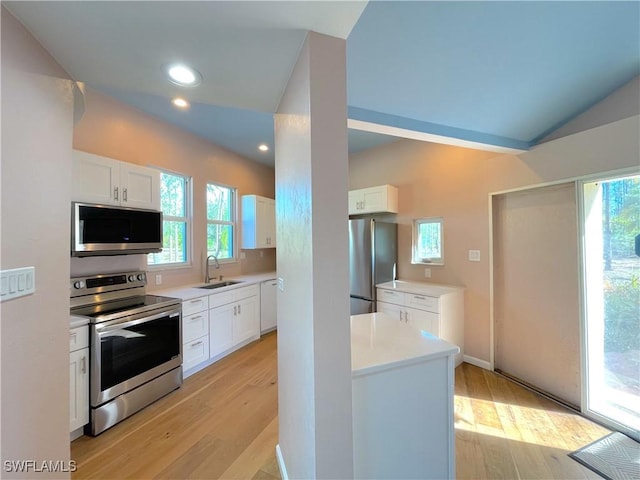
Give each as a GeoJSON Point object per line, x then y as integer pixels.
{"type": "Point", "coordinates": [83, 365]}
{"type": "Point", "coordinates": [235, 309]}
{"type": "Point", "coordinates": [115, 193]}
{"type": "Point", "coordinates": [238, 309]}
{"type": "Point", "coordinates": [73, 335]}
{"type": "Point", "coordinates": [419, 297]}
{"type": "Point", "coordinates": [195, 344]}
{"type": "Point", "coordinates": [124, 194]}
{"type": "Point", "coordinates": [197, 300]}
{"type": "Point", "coordinates": [197, 317]}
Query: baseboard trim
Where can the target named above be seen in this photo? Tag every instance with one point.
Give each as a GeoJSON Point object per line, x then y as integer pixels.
{"type": "Point", "coordinates": [477, 362]}
{"type": "Point", "coordinates": [281, 465]}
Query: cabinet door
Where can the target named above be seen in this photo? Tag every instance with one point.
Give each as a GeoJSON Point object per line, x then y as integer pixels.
{"type": "Point", "coordinates": [356, 202]}
{"type": "Point", "coordinates": [262, 227]}
{"type": "Point", "coordinates": [140, 186]}
{"type": "Point", "coordinates": [268, 222]}
{"type": "Point", "coordinates": [246, 320]}
{"type": "Point", "coordinates": [374, 199]}
{"type": "Point", "coordinates": [221, 321]}
{"type": "Point", "coordinates": [422, 320]}
{"type": "Point", "coordinates": [78, 389]}
{"type": "Point", "coordinates": [394, 311]}
{"type": "Point", "coordinates": [95, 179]}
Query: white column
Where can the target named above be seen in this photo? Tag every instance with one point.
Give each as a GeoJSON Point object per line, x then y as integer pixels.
{"type": "Point", "coordinates": [314, 348]}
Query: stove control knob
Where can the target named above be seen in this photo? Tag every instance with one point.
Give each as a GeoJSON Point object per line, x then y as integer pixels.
{"type": "Point", "coordinates": [78, 285]}
{"type": "Point", "coordinates": [132, 278]}
{"type": "Point", "coordinates": [141, 276]}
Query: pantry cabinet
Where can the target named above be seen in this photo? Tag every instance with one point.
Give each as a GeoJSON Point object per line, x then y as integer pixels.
{"type": "Point", "coordinates": [433, 308]}
{"type": "Point", "coordinates": [380, 199]}
{"type": "Point", "coordinates": [78, 379]}
{"type": "Point", "coordinates": [107, 181]}
{"type": "Point", "coordinates": [258, 222]}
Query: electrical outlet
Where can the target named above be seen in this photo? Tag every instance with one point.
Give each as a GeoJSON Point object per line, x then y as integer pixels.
{"type": "Point", "coordinates": [261, 254]}
{"type": "Point", "coordinates": [158, 279]}
{"type": "Point", "coordinates": [427, 273]}
{"type": "Point", "coordinates": [243, 255]}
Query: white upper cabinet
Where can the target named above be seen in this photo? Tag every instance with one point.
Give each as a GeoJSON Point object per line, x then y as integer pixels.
{"type": "Point", "coordinates": [107, 181]}
{"type": "Point", "coordinates": [380, 199]}
{"type": "Point", "coordinates": [258, 222]}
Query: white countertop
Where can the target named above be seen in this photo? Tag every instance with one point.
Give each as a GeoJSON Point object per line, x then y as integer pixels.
{"type": "Point", "coordinates": [420, 288]}
{"type": "Point", "coordinates": [189, 292]}
{"type": "Point", "coordinates": [78, 321]}
{"type": "Point", "coordinates": [380, 342]}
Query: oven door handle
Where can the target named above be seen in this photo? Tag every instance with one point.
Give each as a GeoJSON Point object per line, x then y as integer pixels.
{"type": "Point", "coordinates": [119, 325]}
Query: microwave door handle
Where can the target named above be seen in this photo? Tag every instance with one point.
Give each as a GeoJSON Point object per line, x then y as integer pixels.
{"type": "Point", "coordinates": [117, 325]}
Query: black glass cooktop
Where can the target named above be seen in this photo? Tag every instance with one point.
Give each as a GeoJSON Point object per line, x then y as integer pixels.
{"type": "Point", "coordinates": [101, 312]}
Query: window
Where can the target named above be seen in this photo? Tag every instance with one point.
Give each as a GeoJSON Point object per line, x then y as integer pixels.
{"type": "Point", "coordinates": [221, 212]}
{"type": "Point", "coordinates": [427, 241]}
{"type": "Point", "coordinates": [174, 203]}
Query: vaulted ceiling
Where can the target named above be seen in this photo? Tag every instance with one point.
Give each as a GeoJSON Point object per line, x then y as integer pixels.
{"type": "Point", "coordinates": [501, 75]}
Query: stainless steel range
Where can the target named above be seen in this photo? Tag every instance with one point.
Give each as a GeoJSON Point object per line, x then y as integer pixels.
{"type": "Point", "coordinates": [136, 344]}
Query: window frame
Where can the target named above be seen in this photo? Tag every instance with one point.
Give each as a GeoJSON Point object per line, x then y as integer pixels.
{"type": "Point", "coordinates": [187, 219]}
{"type": "Point", "coordinates": [233, 223]}
{"type": "Point", "coordinates": [415, 259]}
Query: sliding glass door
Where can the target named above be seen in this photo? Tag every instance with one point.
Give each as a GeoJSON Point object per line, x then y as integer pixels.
{"type": "Point", "coordinates": [611, 261]}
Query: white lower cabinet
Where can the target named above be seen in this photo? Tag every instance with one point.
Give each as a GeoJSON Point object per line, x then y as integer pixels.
{"type": "Point", "coordinates": [195, 332]}
{"type": "Point", "coordinates": [234, 320]}
{"type": "Point", "coordinates": [433, 308]}
{"type": "Point", "coordinates": [216, 324]}
{"type": "Point", "coordinates": [78, 380]}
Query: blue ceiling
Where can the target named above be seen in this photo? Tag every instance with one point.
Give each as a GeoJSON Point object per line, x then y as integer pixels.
{"type": "Point", "coordinates": [501, 74]}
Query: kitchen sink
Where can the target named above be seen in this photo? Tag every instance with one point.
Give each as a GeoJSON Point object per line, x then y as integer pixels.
{"type": "Point", "coordinates": [226, 283]}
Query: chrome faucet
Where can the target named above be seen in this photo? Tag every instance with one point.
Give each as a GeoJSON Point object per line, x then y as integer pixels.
{"type": "Point", "coordinates": [207, 279]}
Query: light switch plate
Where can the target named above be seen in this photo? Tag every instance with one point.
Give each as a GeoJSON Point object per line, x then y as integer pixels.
{"type": "Point", "coordinates": [281, 284]}
{"type": "Point", "coordinates": [17, 282]}
{"type": "Point", "coordinates": [427, 273]}
{"type": "Point", "coordinates": [474, 255]}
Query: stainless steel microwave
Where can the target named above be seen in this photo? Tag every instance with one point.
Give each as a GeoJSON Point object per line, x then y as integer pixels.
{"type": "Point", "coordinates": [107, 230]}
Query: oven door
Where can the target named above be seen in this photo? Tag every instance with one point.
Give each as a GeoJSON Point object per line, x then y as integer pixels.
{"type": "Point", "coordinates": [130, 351]}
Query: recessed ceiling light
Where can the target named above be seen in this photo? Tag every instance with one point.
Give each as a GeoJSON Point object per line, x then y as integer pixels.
{"type": "Point", "coordinates": [263, 147]}
{"type": "Point", "coordinates": [183, 75]}
{"type": "Point", "coordinates": [180, 102]}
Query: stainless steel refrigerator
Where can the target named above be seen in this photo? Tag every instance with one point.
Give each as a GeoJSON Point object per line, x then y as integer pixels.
{"type": "Point", "coordinates": [372, 260]}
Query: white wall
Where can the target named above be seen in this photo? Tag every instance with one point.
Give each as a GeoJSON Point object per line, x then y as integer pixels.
{"type": "Point", "coordinates": [314, 354]}
{"type": "Point", "coordinates": [37, 122]}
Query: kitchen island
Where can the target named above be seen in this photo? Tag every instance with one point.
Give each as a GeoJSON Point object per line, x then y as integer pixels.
{"type": "Point", "coordinates": [403, 380]}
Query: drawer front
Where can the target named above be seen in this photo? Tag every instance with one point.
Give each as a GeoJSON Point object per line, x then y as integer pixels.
{"type": "Point", "coordinates": [391, 296]}
{"type": "Point", "coordinates": [78, 338]}
{"type": "Point", "coordinates": [195, 352]}
{"type": "Point", "coordinates": [246, 292]}
{"type": "Point", "coordinates": [222, 298]}
{"type": "Point", "coordinates": [195, 305]}
{"type": "Point", "coordinates": [195, 326]}
{"type": "Point", "coordinates": [423, 302]}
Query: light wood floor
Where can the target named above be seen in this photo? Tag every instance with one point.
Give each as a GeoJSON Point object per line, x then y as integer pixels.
{"type": "Point", "coordinates": [223, 423]}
